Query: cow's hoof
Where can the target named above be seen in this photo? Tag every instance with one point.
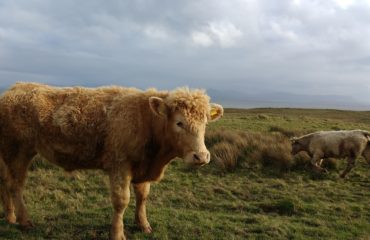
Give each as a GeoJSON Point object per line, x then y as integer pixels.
{"type": "Point", "coordinates": [117, 235]}
{"type": "Point", "coordinates": [319, 170]}
{"type": "Point", "coordinates": [11, 219]}
{"type": "Point", "coordinates": [28, 225]}
{"type": "Point", "coordinates": [146, 229]}
{"type": "Point", "coordinates": [144, 226]}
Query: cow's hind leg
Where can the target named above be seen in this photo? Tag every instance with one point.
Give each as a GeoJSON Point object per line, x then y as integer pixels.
{"type": "Point", "coordinates": [9, 209]}
{"type": "Point", "coordinates": [141, 194]}
{"type": "Point", "coordinates": [366, 153]}
{"type": "Point", "coordinates": [316, 162]}
{"type": "Point", "coordinates": [320, 162]}
{"type": "Point", "coordinates": [18, 171]}
{"type": "Point", "coordinates": [350, 164]}
{"type": "Point", "coordinates": [5, 181]}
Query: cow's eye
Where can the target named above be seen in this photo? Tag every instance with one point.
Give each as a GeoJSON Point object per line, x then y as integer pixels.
{"type": "Point", "coordinates": [180, 124]}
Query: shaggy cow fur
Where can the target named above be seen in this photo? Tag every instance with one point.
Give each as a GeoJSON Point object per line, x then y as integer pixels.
{"type": "Point", "coordinates": [338, 144]}
{"type": "Point", "coordinates": [131, 134]}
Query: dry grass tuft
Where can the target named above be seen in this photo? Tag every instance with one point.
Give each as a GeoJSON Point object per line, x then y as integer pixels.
{"type": "Point", "coordinates": [301, 160]}
{"type": "Point", "coordinates": [225, 155]}
{"type": "Point", "coordinates": [288, 133]}
{"type": "Point", "coordinates": [285, 132]}
{"type": "Point", "coordinates": [232, 149]}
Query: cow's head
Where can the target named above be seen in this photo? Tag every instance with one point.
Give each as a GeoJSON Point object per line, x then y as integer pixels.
{"type": "Point", "coordinates": [186, 114]}
{"type": "Point", "coordinates": [296, 145]}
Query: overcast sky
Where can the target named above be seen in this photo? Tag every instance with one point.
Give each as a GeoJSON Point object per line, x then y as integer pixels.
{"type": "Point", "coordinates": [296, 46]}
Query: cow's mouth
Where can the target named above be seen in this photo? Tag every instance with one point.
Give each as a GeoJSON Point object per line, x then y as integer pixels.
{"type": "Point", "coordinates": [197, 158]}
{"type": "Point", "coordinates": [199, 164]}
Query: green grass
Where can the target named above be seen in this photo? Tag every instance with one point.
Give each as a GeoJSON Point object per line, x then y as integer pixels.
{"type": "Point", "coordinates": [293, 119]}
{"type": "Point", "coordinates": [249, 203]}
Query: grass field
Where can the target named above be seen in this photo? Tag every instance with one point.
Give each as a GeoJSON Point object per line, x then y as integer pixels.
{"type": "Point", "coordinates": [208, 203]}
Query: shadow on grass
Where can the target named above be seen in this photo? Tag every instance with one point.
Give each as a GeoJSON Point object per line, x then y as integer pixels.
{"type": "Point", "coordinates": [79, 225]}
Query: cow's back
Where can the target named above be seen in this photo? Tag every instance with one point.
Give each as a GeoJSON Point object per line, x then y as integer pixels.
{"type": "Point", "coordinates": [65, 125]}
{"type": "Point", "coordinates": [338, 143]}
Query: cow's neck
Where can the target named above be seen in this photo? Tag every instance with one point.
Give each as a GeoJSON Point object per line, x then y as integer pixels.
{"type": "Point", "coordinates": [305, 141]}
{"type": "Point", "coordinates": [158, 153]}
{"type": "Point", "coordinates": [165, 152]}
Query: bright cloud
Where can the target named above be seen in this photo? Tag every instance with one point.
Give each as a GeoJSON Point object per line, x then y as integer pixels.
{"type": "Point", "coordinates": [223, 33]}
{"type": "Point", "coordinates": [201, 39]}
{"type": "Point", "coordinates": [156, 32]}
{"type": "Point", "coordinates": [287, 34]}
{"type": "Point", "coordinates": [344, 3]}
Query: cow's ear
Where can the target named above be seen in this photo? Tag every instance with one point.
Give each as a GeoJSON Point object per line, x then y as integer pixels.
{"type": "Point", "coordinates": [216, 112]}
{"type": "Point", "coordinates": [158, 106]}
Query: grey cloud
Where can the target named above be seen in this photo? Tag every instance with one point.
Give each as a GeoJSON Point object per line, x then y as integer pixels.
{"type": "Point", "coordinates": [307, 47]}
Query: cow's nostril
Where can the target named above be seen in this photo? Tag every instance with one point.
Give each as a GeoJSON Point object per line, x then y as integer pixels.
{"type": "Point", "coordinates": [196, 157]}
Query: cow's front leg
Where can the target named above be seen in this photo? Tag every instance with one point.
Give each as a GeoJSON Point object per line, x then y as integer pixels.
{"type": "Point", "coordinates": [120, 196]}
{"type": "Point", "coordinates": [141, 194]}
{"type": "Point", "coordinates": [350, 165]}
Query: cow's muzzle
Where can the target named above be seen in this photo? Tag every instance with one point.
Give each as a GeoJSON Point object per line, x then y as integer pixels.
{"type": "Point", "coordinates": [197, 158]}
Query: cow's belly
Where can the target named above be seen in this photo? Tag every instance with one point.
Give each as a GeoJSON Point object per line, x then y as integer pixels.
{"type": "Point", "coordinates": [70, 157]}
{"type": "Point", "coordinates": [334, 153]}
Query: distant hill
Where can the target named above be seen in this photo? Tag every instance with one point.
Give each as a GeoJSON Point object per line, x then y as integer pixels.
{"type": "Point", "coordinates": [238, 99]}
{"type": "Point", "coordinates": [281, 99]}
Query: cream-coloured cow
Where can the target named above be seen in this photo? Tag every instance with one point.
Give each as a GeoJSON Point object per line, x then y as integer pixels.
{"type": "Point", "coordinates": [349, 144]}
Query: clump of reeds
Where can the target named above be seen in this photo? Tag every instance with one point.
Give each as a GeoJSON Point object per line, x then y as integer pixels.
{"type": "Point", "coordinates": [288, 132]}
{"type": "Point", "coordinates": [231, 149]}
